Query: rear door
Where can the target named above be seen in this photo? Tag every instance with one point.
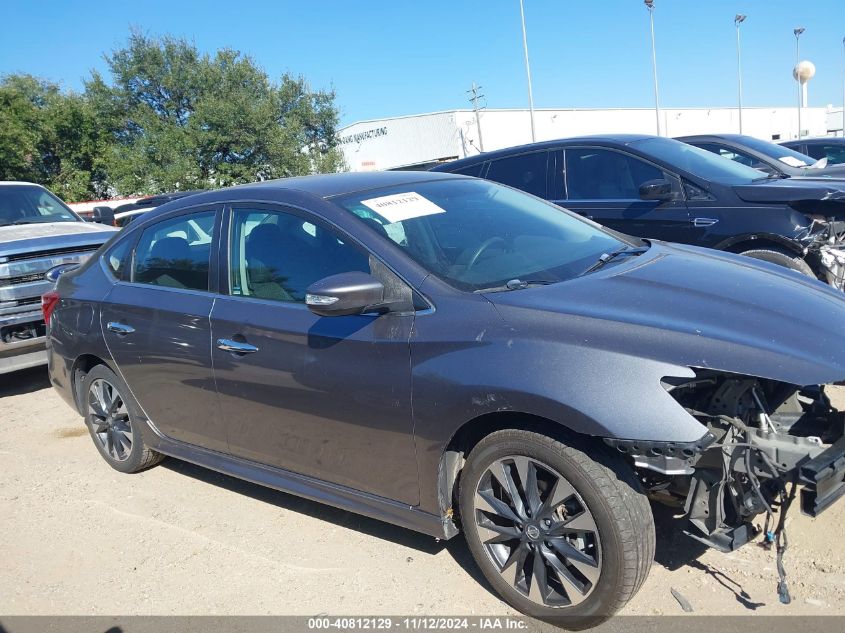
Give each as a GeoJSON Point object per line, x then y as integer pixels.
{"type": "Point", "coordinates": [156, 326]}
{"type": "Point", "coordinates": [603, 184]}
{"type": "Point", "coordinates": [527, 172]}
{"type": "Point", "coordinates": [326, 397]}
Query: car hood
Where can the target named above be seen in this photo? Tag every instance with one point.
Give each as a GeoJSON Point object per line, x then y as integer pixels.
{"type": "Point", "coordinates": [808, 195]}
{"type": "Point", "coordinates": [51, 235]}
{"type": "Point", "coordinates": [694, 308]}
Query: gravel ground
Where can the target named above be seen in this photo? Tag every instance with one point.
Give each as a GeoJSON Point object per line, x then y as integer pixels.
{"type": "Point", "coordinates": [83, 539]}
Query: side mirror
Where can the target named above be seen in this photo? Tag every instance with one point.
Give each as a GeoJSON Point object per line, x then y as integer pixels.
{"type": "Point", "coordinates": [103, 215]}
{"type": "Point", "coordinates": [659, 189]}
{"type": "Point", "coordinates": [55, 272]}
{"type": "Point", "coordinates": [344, 294]}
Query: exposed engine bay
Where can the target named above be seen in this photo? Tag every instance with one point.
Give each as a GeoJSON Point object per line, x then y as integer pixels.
{"type": "Point", "coordinates": [826, 250]}
{"type": "Point", "coordinates": [768, 444]}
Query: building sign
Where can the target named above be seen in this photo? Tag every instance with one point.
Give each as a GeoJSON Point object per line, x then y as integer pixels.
{"type": "Point", "coordinates": [363, 136]}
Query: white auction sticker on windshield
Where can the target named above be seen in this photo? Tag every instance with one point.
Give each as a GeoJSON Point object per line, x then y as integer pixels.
{"type": "Point", "coordinates": [792, 161]}
{"type": "Point", "coordinates": [402, 206]}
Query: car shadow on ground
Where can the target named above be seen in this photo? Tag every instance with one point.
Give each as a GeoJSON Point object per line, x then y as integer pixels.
{"type": "Point", "coordinates": [24, 381]}
{"type": "Point", "coordinates": [675, 550]}
{"type": "Point", "coordinates": [456, 547]}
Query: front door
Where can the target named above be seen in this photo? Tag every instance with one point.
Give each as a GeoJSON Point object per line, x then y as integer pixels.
{"type": "Point", "coordinates": [326, 397]}
{"type": "Point", "coordinates": [603, 184]}
{"type": "Point", "coordinates": [156, 327]}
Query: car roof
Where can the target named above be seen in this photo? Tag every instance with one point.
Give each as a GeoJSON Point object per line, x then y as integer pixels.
{"type": "Point", "coordinates": [21, 182]}
{"type": "Point", "coordinates": [607, 139]}
{"type": "Point", "coordinates": [331, 185]}
{"type": "Point", "coordinates": [739, 138]}
{"type": "Point", "coordinates": [321, 186]}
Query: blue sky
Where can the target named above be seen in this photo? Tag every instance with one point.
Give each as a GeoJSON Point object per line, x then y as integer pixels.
{"type": "Point", "coordinates": [401, 57]}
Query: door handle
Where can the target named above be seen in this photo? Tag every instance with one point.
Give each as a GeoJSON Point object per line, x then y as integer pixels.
{"type": "Point", "coordinates": [700, 222]}
{"type": "Point", "coordinates": [236, 347]}
{"type": "Point", "coordinates": [119, 328]}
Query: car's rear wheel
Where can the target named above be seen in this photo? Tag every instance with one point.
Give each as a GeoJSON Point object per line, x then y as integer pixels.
{"type": "Point", "coordinates": [781, 258]}
{"type": "Point", "coordinates": [112, 422]}
{"type": "Point", "coordinates": [562, 532]}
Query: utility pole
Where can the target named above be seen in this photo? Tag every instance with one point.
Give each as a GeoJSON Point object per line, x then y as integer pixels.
{"type": "Point", "coordinates": [739, 19]}
{"type": "Point", "coordinates": [798, 31]}
{"type": "Point", "coordinates": [650, 6]}
{"type": "Point", "coordinates": [474, 98]}
{"type": "Point", "coordinates": [527, 69]}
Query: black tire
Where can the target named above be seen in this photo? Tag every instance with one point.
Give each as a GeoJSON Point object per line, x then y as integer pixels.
{"type": "Point", "coordinates": [137, 456]}
{"type": "Point", "coordinates": [610, 492]}
{"type": "Point", "coordinates": [781, 258]}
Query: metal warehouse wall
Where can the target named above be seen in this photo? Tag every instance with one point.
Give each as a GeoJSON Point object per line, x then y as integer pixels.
{"type": "Point", "coordinates": [428, 138]}
{"type": "Point", "coordinates": [401, 141]}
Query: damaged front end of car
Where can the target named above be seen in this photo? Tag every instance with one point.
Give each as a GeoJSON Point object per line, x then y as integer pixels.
{"type": "Point", "coordinates": [767, 444]}
{"type": "Point", "coordinates": [823, 239]}
{"type": "Point", "coordinates": [824, 245]}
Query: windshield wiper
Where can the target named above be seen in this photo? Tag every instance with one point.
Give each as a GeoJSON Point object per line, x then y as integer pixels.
{"type": "Point", "coordinates": [519, 284]}
{"type": "Point", "coordinates": [608, 257]}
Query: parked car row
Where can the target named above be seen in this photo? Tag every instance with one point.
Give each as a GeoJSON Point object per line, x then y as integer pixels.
{"type": "Point", "coordinates": [661, 188]}
{"type": "Point", "coordinates": [452, 355]}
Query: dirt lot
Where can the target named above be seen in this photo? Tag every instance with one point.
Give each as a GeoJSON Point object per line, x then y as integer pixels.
{"type": "Point", "coordinates": [80, 538]}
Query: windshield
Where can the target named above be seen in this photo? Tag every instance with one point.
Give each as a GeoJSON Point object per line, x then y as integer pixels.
{"type": "Point", "coordinates": [698, 162]}
{"type": "Point", "coordinates": [478, 235]}
{"type": "Point", "coordinates": [27, 204]}
{"type": "Point", "coordinates": [779, 152]}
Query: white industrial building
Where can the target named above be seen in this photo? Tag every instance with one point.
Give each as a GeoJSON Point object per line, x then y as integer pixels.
{"type": "Point", "coordinates": [425, 139]}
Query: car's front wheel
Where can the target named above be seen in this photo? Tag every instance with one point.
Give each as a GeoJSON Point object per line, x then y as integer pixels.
{"type": "Point", "coordinates": [112, 422]}
{"type": "Point", "coordinates": [781, 258]}
{"type": "Point", "coordinates": [561, 531]}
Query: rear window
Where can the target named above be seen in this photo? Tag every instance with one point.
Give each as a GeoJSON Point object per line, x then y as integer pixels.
{"type": "Point", "coordinates": [175, 253]}
{"type": "Point", "coordinates": [471, 170]}
{"type": "Point", "coordinates": [526, 172]}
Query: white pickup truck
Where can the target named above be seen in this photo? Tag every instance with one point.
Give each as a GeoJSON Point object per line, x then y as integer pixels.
{"type": "Point", "coordinates": [38, 233]}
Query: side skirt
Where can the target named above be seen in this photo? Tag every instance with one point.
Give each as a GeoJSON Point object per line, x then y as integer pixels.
{"type": "Point", "coordinates": [315, 489]}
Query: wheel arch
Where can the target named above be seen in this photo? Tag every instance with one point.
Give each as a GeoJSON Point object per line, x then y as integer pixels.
{"type": "Point", "coordinates": [753, 241]}
{"type": "Point", "coordinates": [469, 434]}
{"type": "Point", "coordinates": [81, 366]}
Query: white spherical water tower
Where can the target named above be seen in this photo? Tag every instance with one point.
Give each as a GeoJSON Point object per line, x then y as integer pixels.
{"type": "Point", "coordinates": [803, 73]}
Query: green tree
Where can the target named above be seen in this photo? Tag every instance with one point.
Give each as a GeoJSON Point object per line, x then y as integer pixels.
{"type": "Point", "coordinates": [182, 119]}
{"type": "Point", "coordinates": [50, 138]}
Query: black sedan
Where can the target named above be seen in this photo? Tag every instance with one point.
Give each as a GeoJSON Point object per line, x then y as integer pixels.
{"type": "Point", "coordinates": [661, 188]}
{"type": "Point", "coordinates": [423, 348]}
{"type": "Point", "coordinates": [771, 158]}
{"type": "Point", "coordinates": [831, 148]}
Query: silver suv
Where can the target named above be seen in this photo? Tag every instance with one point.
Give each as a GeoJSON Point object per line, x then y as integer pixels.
{"type": "Point", "coordinates": [38, 233]}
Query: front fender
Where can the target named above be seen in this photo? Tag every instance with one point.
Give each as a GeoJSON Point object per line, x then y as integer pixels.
{"type": "Point", "coordinates": [461, 371]}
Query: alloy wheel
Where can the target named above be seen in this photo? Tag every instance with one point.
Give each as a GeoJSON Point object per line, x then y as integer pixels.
{"type": "Point", "coordinates": [109, 419]}
{"type": "Point", "coordinates": [537, 532]}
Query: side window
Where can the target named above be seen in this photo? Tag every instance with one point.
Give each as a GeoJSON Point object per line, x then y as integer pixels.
{"type": "Point", "coordinates": [601, 174]}
{"type": "Point", "coordinates": [277, 255]}
{"type": "Point", "coordinates": [117, 259]}
{"type": "Point", "coordinates": [815, 151]}
{"type": "Point", "coordinates": [174, 253]}
{"type": "Point", "coordinates": [526, 172]}
{"type": "Point", "coordinates": [472, 170]}
{"type": "Point", "coordinates": [835, 154]}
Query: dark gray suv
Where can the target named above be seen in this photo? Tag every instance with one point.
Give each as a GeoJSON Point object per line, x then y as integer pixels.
{"type": "Point", "coordinates": [446, 353]}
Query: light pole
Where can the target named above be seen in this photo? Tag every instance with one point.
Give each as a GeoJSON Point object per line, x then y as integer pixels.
{"type": "Point", "coordinates": [798, 33]}
{"type": "Point", "coordinates": [843, 94]}
{"type": "Point", "coordinates": [739, 19]}
{"type": "Point", "coordinates": [650, 6]}
{"type": "Point", "coordinates": [527, 69]}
